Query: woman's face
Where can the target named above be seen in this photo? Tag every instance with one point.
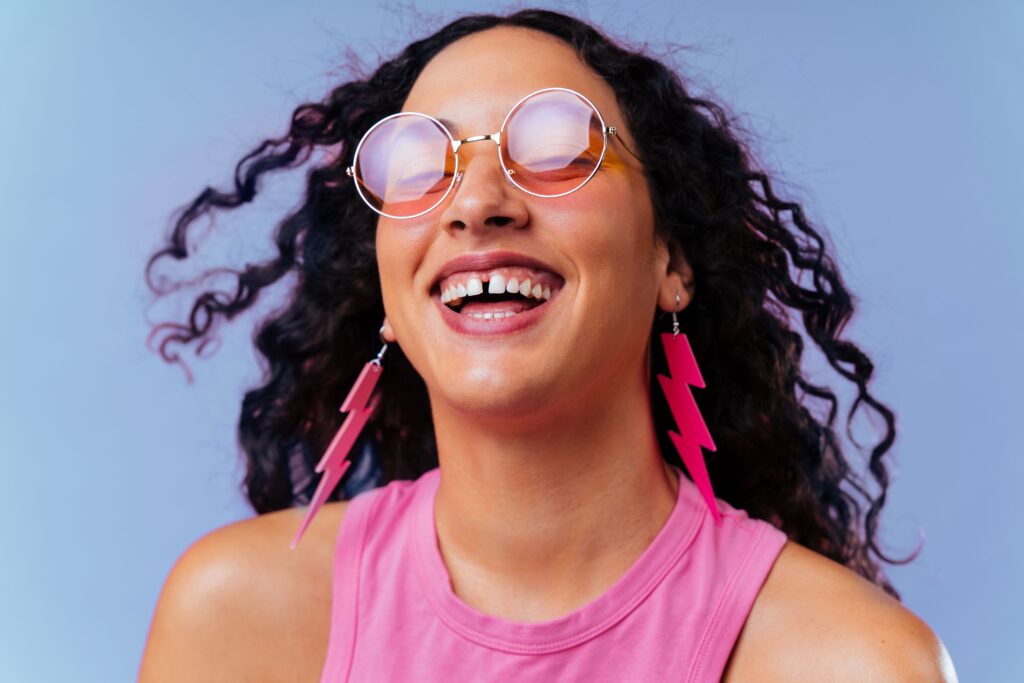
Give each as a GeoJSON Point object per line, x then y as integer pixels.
{"type": "Point", "coordinates": [602, 262]}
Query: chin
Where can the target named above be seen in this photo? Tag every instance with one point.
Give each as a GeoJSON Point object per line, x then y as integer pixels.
{"type": "Point", "coordinates": [490, 394]}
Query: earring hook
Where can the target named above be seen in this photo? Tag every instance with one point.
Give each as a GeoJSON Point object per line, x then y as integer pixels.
{"type": "Point", "coordinates": [675, 320]}
{"type": "Point", "coordinates": [380, 354]}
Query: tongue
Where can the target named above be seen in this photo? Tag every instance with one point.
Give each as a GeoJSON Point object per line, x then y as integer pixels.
{"type": "Point", "coordinates": [514, 305]}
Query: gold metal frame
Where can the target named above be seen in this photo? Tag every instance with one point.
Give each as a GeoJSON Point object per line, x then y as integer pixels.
{"type": "Point", "coordinates": [493, 137]}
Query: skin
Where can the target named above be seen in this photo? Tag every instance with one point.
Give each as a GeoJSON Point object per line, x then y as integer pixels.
{"type": "Point", "coordinates": [552, 482]}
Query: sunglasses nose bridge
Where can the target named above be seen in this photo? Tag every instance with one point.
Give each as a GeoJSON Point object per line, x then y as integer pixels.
{"type": "Point", "coordinates": [493, 137]}
{"type": "Point", "coordinates": [457, 145]}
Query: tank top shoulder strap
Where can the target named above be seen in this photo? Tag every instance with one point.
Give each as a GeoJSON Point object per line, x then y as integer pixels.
{"type": "Point", "coordinates": [744, 550]}
{"type": "Point", "coordinates": [348, 558]}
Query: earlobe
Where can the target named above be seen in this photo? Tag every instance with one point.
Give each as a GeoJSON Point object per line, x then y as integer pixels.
{"type": "Point", "coordinates": [673, 295]}
{"type": "Point", "coordinates": [678, 280]}
{"type": "Point", "coordinates": [387, 335]}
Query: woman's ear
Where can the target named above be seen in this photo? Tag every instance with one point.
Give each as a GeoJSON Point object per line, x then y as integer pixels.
{"type": "Point", "coordinates": [676, 280]}
{"type": "Point", "coordinates": [386, 333]}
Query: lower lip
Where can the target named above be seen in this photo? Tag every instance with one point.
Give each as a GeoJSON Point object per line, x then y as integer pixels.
{"type": "Point", "coordinates": [482, 327]}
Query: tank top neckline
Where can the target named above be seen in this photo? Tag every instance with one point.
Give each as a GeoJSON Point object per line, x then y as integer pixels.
{"type": "Point", "coordinates": [584, 623]}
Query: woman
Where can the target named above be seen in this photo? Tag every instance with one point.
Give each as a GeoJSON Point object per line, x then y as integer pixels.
{"type": "Point", "coordinates": [540, 508]}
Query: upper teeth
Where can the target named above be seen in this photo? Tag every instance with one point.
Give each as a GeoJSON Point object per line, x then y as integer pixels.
{"type": "Point", "coordinates": [499, 283]}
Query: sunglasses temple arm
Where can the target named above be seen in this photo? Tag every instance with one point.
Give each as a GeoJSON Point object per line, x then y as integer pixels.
{"type": "Point", "coordinates": [611, 130]}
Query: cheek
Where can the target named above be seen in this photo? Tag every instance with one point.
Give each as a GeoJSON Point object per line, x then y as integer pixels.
{"type": "Point", "coordinates": [392, 268]}
{"type": "Point", "coordinates": [609, 235]}
{"type": "Point", "coordinates": [397, 254]}
{"type": "Point", "coordinates": [611, 244]}
{"type": "Point", "coordinates": [387, 252]}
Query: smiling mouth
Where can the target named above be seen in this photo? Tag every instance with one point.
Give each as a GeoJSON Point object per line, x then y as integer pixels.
{"type": "Point", "coordinates": [499, 294]}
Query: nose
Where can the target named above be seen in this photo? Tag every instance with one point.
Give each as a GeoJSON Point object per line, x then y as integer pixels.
{"type": "Point", "coordinates": [483, 198]}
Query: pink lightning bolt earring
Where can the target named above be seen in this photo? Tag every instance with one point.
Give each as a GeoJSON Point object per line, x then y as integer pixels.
{"type": "Point", "coordinates": [683, 373]}
{"type": "Point", "coordinates": [360, 407]}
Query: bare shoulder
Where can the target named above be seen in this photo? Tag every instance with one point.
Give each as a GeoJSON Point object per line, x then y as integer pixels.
{"type": "Point", "coordinates": [816, 620]}
{"type": "Point", "coordinates": [240, 604]}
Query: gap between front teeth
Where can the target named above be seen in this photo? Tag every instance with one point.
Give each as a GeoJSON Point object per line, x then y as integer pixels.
{"type": "Point", "coordinates": [496, 285]}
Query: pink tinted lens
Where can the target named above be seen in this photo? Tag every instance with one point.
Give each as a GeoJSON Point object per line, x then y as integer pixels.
{"type": "Point", "coordinates": [552, 143]}
{"type": "Point", "coordinates": [405, 165]}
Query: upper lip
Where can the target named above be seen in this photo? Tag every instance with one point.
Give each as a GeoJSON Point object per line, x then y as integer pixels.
{"type": "Point", "coordinates": [484, 260]}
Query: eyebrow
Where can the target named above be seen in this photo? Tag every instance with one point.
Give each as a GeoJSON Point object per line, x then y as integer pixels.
{"type": "Point", "coordinates": [457, 131]}
{"type": "Point", "coordinates": [452, 127]}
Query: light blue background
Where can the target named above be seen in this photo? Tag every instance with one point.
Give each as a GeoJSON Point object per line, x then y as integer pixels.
{"type": "Point", "coordinates": [898, 125]}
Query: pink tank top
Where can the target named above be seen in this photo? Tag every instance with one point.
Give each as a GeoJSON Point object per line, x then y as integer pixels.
{"type": "Point", "coordinates": [675, 614]}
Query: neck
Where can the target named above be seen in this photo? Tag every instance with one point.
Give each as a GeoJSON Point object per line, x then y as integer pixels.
{"type": "Point", "coordinates": [536, 521]}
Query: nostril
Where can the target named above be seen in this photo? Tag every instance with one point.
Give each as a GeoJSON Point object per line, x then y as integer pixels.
{"type": "Point", "coordinates": [499, 221]}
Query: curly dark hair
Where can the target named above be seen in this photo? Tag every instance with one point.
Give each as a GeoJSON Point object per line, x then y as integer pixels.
{"type": "Point", "coordinates": [774, 458]}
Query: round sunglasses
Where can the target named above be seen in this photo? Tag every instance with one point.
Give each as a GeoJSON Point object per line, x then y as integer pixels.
{"type": "Point", "coordinates": [550, 144]}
